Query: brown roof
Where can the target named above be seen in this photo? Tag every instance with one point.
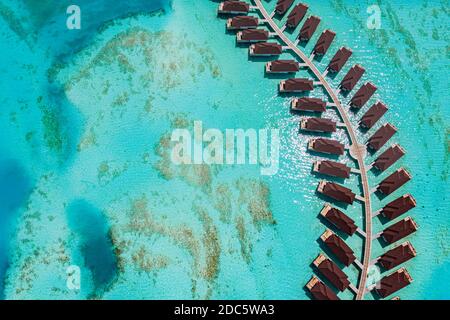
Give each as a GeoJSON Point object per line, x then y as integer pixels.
{"type": "Point", "coordinates": [373, 115]}
{"type": "Point", "coordinates": [334, 274]}
{"type": "Point", "coordinates": [338, 192]}
{"type": "Point", "coordinates": [284, 66]}
{"type": "Point", "coordinates": [298, 84]}
{"type": "Point", "coordinates": [363, 95]}
{"type": "Point", "coordinates": [381, 136]}
{"type": "Point", "coordinates": [244, 22]}
{"type": "Point", "coordinates": [352, 77]}
{"type": "Point", "coordinates": [309, 104]}
{"type": "Point", "coordinates": [340, 249]}
{"type": "Point", "coordinates": [328, 146]}
{"type": "Point", "coordinates": [324, 42]}
{"type": "Point", "coordinates": [394, 282]}
{"type": "Point", "coordinates": [398, 207]}
{"type": "Point", "coordinates": [267, 48]}
{"type": "Point", "coordinates": [394, 181]}
{"type": "Point", "coordinates": [319, 125]}
{"type": "Point", "coordinates": [320, 291]}
{"type": "Point", "coordinates": [343, 222]}
{"type": "Point", "coordinates": [255, 35]}
{"type": "Point", "coordinates": [296, 15]}
{"type": "Point", "coordinates": [334, 169]}
{"type": "Point", "coordinates": [340, 59]}
{"type": "Point", "coordinates": [397, 256]}
{"type": "Point", "coordinates": [234, 6]}
{"type": "Point", "coordinates": [283, 6]}
{"type": "Point", "coordinates": [399, 230]}
{"type": "Point", "coordinates": [389, 157]}
{"type": "Point", "coordinates": [308, 28]}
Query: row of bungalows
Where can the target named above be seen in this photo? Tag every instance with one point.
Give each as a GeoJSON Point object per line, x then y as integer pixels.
{"type": "Point", "coordinates": [252, 36]}
{"type": "Point", "coordinates": [265, 49]}
{"type": "Point", "coordinates": [320, 291]}
{"type": "Point", "coordinates": [339, 59]}
{"type": "Point", "coordinates": [393, 283]}
{"type": "Point", "coordinates": [242, 22]}
{"type": "Point", "coordinates": [352, 77]}
{"type": "Point", "coordinates": [394, 181]}
{"type": "Point", "coordinates": [397, 256]}
{"type": "Point", "coordinates": [307, 104]}
{"type": "Point", "coordinates": [282, 66]}
{"type": "Point", "coordinates": [381, 136]}
{"type": "Point", "coordinates": [388, 157]}
{"type": "Point", "coordinates": [372, 115]}
{"type": "Point", "coordinates": [363, 95]}
{"type": "Point", "coordinates": [330, 271]}
{"type": "Point", "coordinates": [339, 219]}
{"type": "Point", "coordinates": [283, 6]}
{"type": "Point", "coordinates": [326, 146]}
{"type": "Point", "coordinates": [336, 192]}
{"type": "Point", "coordinates": [399, 230]}
{"type": "Point", "coordinates": [332, 168]}
{"type": "Point", "coordinates": [296, 15]}
{"type": "Point", "coordinates": [338, 247]}
{"type": "Point", "coordinates": [398, 207]}
{"type": "Point", "coordinates": [308, 28]}
{"type": "Point", "coordinates": [233, 7]}
{"type": "Point", "coordinates": [321, 125]}
{"type": "Point", "coordinates": [324, 42]}
{"type": "Point", "coordinates": [296, 85]}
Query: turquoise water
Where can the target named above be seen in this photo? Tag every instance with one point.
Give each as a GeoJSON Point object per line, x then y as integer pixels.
{"type": "Point", "coordinates": [85, 171]}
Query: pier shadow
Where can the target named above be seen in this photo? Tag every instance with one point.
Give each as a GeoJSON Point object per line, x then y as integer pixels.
{"type": "Point", "coordinates": [376, 172]}
{"type": "Point", "coordinates": [318, 58]}
{"type": "Point", "coordinates": [332, 75]}
{"type": "Point", "coordinates": [260, 58]}
{"type": "Point", "coordinates": [324, 155]}
{"type": "Point", "coordinates": [303, 94]}
{"type": "Point", "coordinates": [279, 76]}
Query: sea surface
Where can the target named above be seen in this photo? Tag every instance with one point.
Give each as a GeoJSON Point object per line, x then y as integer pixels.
{"type": "Point", "coordinates": [86, 178]}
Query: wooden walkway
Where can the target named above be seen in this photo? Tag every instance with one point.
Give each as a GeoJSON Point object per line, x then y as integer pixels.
{"type": "Point", "coordinates": [357, 151]}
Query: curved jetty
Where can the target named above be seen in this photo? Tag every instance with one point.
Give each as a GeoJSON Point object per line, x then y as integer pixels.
{"type": "Point", "coordinates": [332, 272]}
{"type": "Point", "coordinates": [320, 291]}
{"type": "Point", "coordinates": [338, 247]}
{"type": "Point", "coordinates": [296, 15]}
{"type": "Point", "coordinates": [394, 282]}
{"type": "Point", "coordinates": [339, 219]}
{"type": "Point", "coordinates": [333, 103]}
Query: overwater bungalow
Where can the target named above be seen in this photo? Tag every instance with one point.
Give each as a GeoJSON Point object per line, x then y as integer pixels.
{"type": "Point", "coordinates": [308, 104]}
{"type": "Point", "coordinates": [338, 247]}
{"type": "Point", "coordinates": [327, 146]}
{"type": "Point", "coordinates": [332, 272]}
{"type": "Point", "coordinates": [397, 256]}
{"type": "Point", "coordinates": [399, 230]}
{"type": "Point", "coordinates": [282, 66]}
{"type": "Point", "coordinates": [393, 283]}
{"type": "Point", "coordinates": [389, 157]}
{"type": "Point", "coordinates": [363, 95]}
{"type": "Point", "coordinates": [296, 85]}
{"type": "Point", "coordinates": [399, 206]}
{"type": "Point", "coordinates": [339, 219]}
{"type": "Point", "coordinates": [339, 60]}
{"type": "Point", "coordinates": [332, 168]}
{"type": "Point", "coordinates": [242, 22]}
{"type": "Point", "coordinates": [394, 181]}
{"type": "Point", "coordinates": [320, 291]}
{"type": "Point", "coordinates": [336, 192]}
{"type": "Point", "coordinates": [233, 7]}
{"type": "Point", "coordinates": [352, 77]}
{"type": "Point", "coordinates": [296, 15]}
{"type": "Point", "coordinates": [321, 125]}
{"type": "Point", "coordinates": [324, 42]}
{"type": "Point", "coordinates": [283, 6]}
{"type": "Point", "coordinates": [308, 28]}
{"type": "Point", "coordinates": [381, 136]}
{"type": "Point", "coordinates": [252, 35]}
{"type": "Point", "coordinates": [373, 115]}
{"type": "Point", "coordinates": [265, 49]}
